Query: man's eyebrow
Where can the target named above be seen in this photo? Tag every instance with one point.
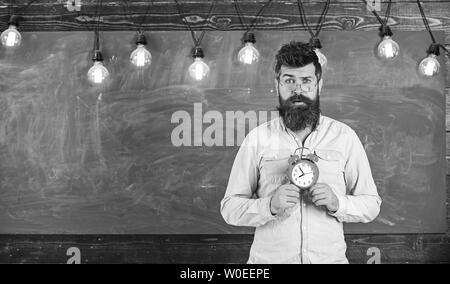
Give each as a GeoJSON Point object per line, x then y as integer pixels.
{"type": "Point", "coordinates": [289, 75]}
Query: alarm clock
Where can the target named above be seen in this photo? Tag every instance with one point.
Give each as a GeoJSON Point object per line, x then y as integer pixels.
{"type": "Point", "coordinates": [303, 171]}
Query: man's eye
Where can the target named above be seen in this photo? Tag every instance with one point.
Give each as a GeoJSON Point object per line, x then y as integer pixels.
{"type": "Point", "coordinates": [307, 81]}
{"type": "Point", "coordinates": [289, 81]}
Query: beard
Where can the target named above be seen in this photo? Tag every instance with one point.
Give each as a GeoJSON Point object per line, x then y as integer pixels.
{"type": "Point", "coordinates": [299, 117]}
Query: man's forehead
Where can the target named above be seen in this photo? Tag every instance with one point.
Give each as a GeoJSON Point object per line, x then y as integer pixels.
{"type": "Point", "coordinates": [305, 71]}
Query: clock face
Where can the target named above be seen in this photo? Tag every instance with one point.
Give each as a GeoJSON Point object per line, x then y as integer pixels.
{"type": "Point", "coordinates": [304, 174]}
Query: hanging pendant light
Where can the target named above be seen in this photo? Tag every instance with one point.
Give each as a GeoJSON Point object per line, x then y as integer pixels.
{"type": "Point", "coordinates": [430, 66]}
{"type": "Point", "coordinates": [315, 43]}
{"type": "Point", "coordinates": [98, 73]}
{"type": "Point", "coordinates": [141, 57]}
{"type": "Point", "coordinates": [11, 38]}
{"type": "Point", "coordinates": [387, 49]}
{"type": "Point", "coordinates": [198, 69]}
{"type": "Point", "coordinates": [248, 54]}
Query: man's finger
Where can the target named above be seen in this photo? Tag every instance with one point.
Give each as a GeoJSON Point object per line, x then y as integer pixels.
{"type": "Point", "coordinates": [291, 187]}
{"type": "Point", "coordinates": [321, 202]}
{"type": "Point", "coordinates": [292, 199]}
{"type": "Point", "coordinates": [318, 192]}
{"type": "Point", "coordinates": [316, 198]}
{"type": "Point", "coordinates": [291, 191]}
{"type": "Point", "coordinates": [293, 194]}
{"type": "Point", "coordinates": [290, 204]}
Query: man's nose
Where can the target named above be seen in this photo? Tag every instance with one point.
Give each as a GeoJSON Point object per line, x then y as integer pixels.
{"type": "Point", "coordinates": [297, 90]}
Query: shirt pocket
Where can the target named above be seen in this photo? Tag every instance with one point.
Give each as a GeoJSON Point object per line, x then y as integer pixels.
{"type": "Point", "coordinates": [274, 168]}
{"type": "Point", "coordinates": [331, 168]}
{"type": "Point", "coordinates": [273, 173]}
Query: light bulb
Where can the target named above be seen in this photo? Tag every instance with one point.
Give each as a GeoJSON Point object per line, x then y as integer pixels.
{"type": "Point", "coordinates": [388, 49]}
{"type": "Point", "coordinates": [198, 70]}
{"type": "Point", "coordinates": [11, 37]}
{"type": "Point", "coordinates": [248, 54]}
{"type": "Point", "coordinates": [322, 58]}
{"type": "Point", "coordinates": [97, 74]}
{"type": "Point", "coordinates": [141, 57]}
{"type": "Point", "coordinates": [429, 66]}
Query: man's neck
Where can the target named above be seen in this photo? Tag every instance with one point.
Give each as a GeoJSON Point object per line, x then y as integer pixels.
{"type": "Point", "coordinates": [302, 134]}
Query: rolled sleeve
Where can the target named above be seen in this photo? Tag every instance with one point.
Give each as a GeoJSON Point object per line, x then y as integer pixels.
{"type": "Point", "coordinates": [362, 203]}
{"type": "Point", "coordinates": [239, 207]}
{"type": "Point", "coordinates": [341, 207]}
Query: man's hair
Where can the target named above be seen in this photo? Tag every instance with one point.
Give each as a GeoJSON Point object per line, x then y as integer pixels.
{"type": "Point", "coordinates": [297, 54]}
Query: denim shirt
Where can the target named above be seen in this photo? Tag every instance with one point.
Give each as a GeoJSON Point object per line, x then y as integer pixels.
{"type": "Point", "coordinates": [305, 233]}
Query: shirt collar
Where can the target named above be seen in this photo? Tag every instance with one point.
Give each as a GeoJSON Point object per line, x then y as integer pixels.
{"type": "Point", "coordinates": [283, 126]}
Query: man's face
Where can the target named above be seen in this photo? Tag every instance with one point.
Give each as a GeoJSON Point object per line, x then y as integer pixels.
{"type": "Point", "coordinates": [298, 81]}
{"type": "Point", "coordinates": [298, 90]}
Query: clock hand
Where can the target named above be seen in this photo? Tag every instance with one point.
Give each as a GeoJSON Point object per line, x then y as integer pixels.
{"type": "Point", "coordinates": [305, 174]}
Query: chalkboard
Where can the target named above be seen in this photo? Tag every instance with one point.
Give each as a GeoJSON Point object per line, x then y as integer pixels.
{"type": "Point", "coordinates": [150, 151]}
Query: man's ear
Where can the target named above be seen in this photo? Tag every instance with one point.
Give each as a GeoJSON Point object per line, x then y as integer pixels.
{"type": "Point", "coordinates": [320, 85]}
{"type": "Point", "coordinates": [276, 87]}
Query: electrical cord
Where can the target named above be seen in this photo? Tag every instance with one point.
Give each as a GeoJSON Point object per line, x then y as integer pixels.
{"type": "Point", "coordinates": [96, 29]}
{"type": "Point", "coordinates": [427, 26]}
{"type": "Point", "coordinates": [386, 17]}
{"type": "Point", "coordinates": [198, 41]}
{"type": "Point", "coordinates": [145, 16]}
{"type": "Point", "coordinates": [425, 21]}
{"type": "Point", "coordinates": [445, 49]}
{"type": "Point", "coordinates": [256, 18]}
{"type": "Point", "coordinates": [319, 23]}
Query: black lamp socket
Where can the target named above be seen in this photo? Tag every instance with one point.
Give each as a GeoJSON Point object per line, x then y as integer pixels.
{"type": "Point", "coordinates": [249, 37]}
{"type": "Point", "coordinates": [198, 52]}
{"type": "Point", "coordinates": [14, 20]}
{"type": "Point", "coordinates": [97, 56]}
{"type": "Point", "coordinates": [141, 39]}
{"type": "Point", "coordinates": [433, 49]}
{"type": "Point", "coordinates": [385, 31]}
{"type": "Point", "coordinates": [315, 43]}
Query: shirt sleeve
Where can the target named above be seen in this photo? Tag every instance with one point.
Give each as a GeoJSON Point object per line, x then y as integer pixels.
{"type": "Point", "coordinates": [239, 207]}
{"type": "Point", "coordinates": [362, 202]}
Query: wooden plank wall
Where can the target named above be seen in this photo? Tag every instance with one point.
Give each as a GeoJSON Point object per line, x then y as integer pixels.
{"type": "Point", "coordinates": [343, 15]}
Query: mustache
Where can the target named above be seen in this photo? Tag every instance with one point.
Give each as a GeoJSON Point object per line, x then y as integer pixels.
{"type": "Point", "coordinates": [299, 98]}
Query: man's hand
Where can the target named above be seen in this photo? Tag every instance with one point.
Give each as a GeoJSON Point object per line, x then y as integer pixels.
{"type": "Point", "coordinates": [323, 195]}
{"type": "Point", "coordinates": [286, 196]}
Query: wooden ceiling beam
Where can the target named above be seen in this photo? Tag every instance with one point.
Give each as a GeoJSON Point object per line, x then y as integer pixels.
{"type": "Point", "coordinates": [279, 15]}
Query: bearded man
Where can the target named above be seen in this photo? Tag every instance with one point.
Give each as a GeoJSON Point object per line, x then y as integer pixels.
{"type": "Point", "coordinates": [294, 225]}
